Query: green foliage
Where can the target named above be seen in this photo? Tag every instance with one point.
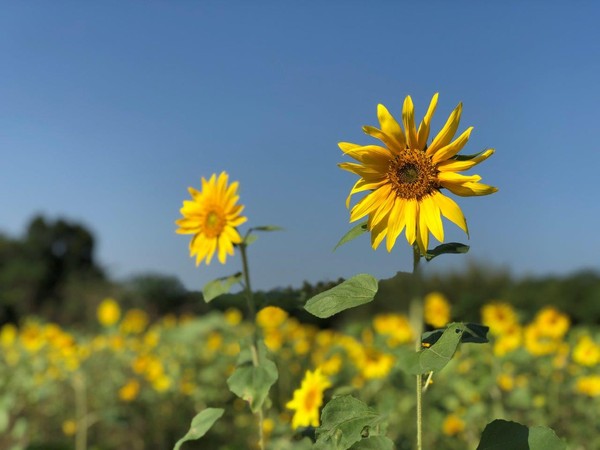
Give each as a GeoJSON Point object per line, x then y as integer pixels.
{"type": "Point", "coordinates": [220, 286]}
{"type": "Point", "coordinates": [474, 333]}
{"type": "Point", "coordinates": [434, 358]}
{"type": "Point", "coordinates": [358, 290]}
{"type": "Point", "coordinates": [354, 232]}
{"type": "Point", "coordinates": [254, 376]}
{"type": "Point", "coordinates": [445, 249]}
{"type": "Point", "coordinates": [347, 421]}
{"type": "Point", "coordinates": [200, 425]}
{"type": "Point", "coordinates": [502, 434]}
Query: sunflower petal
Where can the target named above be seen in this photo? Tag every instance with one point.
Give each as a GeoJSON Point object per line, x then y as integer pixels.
{"type": "Point", "coordinates": [411, 210]}
{"type": "Point", "coordinates": [390, 126]}
{"type": "Point", "coordinates": [470, 189]}
{"type": "Point", "coordinates": [422, 232]}
{"type": "Point", "coordinates": [452, 149]}
{"type": "Point", "coordinates": [446, 134]}
{"type": "Point", "coordinates": [423, 133]}
{"type": "Point", "coordinates": [457, 165]}
{"type": "Point", "coordinates": [370, 203]}
{"type": "Point", "coordinates": [408, 117]}
{"type": "Point", "coordinates": [390, 142]}
{"type": "Point", "coordinates": [456, 178]}
{"type": "Point", "coordinates": [430, 211]}
{"type": "Point", "coordinates": [451, 211]}
{"type": "Point", "coordinates": [396, 222]}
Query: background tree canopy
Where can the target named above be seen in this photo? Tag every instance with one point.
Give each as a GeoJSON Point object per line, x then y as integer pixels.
{"type": "Point", "coordinates": [51, 271]}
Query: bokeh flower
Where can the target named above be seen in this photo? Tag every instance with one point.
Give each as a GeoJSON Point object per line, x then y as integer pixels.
{"type": "Point", "coordinates": [499, 316]}
{"type": "Point", "coordinates": [212, 217]}
{"type": "Point", "coordinates": [108, 312]}
{"type": "Point", "coordinates": [307, 400]}
{"type": "Point", "coordinates": [589, 385]}
{"type": "Point", "coordinates": [405, 177]}
{"type": "Point", "coordinates": [453, 425]}
{"type": "Point", "coordinates": [586, 352]}
{"type": "Point", "coordinates": [436, 310]}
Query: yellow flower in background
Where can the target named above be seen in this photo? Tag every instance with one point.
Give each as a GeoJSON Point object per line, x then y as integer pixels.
{"type": "Point", "coordinates": [589, 385]}
{"type": "Point", "coordinates": [271, 317]}
{"type": "Point", "coordinates": [307, 400]}
{"type": "Point", "coordinates": [436, 310]}
{"type": "Point", "coordinates": [374, 364]}
{"type": "Point", "coordinates": [406, 175]}
{"type": "Point", "coordinates": [69, 427]}
{"type": "Point", "coordinates": [537, 342]}
{"type": "Point", "coordinates": [212, 217]}
{"type": "Point", "coordinates": [134, 322]}
{"type": "Point", "coordinates": [453, 425]}
{"type": "Point", "coordinates": [552, 322]}
{"type": "Point", "coordinates": [396, 326]}
{"type": "Point", "coordinates": [510, 340]}
{"type": "Point", "coordinates": [8, 335]}
{"type": "Point", "coordinates": [129, 391]}
{"type": "Point", "coordinates": [108, 312]}
{"type": "Point", "coordinates": [233, 316]}
{"type": "Point", "coordinates": [499, 316]}
{"type": "Point", "coordinates": [586, 352]}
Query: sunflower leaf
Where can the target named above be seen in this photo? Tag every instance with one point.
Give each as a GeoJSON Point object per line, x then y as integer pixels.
{"type": "Point", "coordinates": [450, 247]}
{"type": "Point", "coordinates": [500, 434]}
{"type": "Point", "coordinates": [346, 421]}
{"type": "Point", "coordinates": [356, 291]}
{"type": "Point", "coordinates": [474, 333]}
{"type": "Point", "coordinates": [266, 228]}
{"type": "Point", "coordinates": [434, 358]}
{"type": "Point", "coordinates": [352, 234]}
{"type": "Point", "coordinates": [203, 421]}
{"type": "Point", "coordinates": [469, 157]}
{"type": "Point", "coordinates": [252, 382]}
{"type": "Point", "coordinates": [220, 286]}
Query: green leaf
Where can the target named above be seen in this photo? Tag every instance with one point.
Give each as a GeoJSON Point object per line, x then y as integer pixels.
{"type": "Point", "coordinates": [252, 383]}
{"type": "Point", "coordinates": [358, 290]}
{"type": "Point", "coordinates": [374, 443]}
{"type": "Point", "coordinates": [474, 333]}
{"type": "Point", "coordinates": [450, 247]}
{"type": "Point", "coordinates": [352, 234]}
{"type": "Point", "coordinates": [469, 157]}
{"type": "Point", "coordinates": [434, 358]}
{"type": "Point", "coordinates": [266, 228]}
{"type": "Point", "coordinates": [502, 434]}
{"type": "Point", "coordinates": [220, 286]}
{"type": "Point", "coordinates": [249, 239]}
{"type": "Point", "coordinates": [543, 438]}
{"type": "Point", "coordinates": [345, 421]}
{"type": "Point", "coordinates": [200, 425]}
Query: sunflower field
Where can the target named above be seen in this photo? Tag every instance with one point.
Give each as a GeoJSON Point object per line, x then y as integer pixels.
{"type": "Point", "coordinates": [135, 384]}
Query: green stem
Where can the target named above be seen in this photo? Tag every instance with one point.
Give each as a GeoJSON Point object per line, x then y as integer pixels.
{"type": "Point", "coordinates": [253, 343]}
{"type": "Point", "coordinates": [416, 318]}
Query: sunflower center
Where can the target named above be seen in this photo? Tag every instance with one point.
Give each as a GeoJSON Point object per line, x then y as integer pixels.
{"type": "Point", "coordinates": [214, 223]}
{"type": "Point", "coordinates": [311, 399]}
{"type": "Point", "coordinates": [412, 174]}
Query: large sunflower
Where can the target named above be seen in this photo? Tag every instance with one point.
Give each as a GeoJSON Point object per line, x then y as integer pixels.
{"type": "Point", "coordinates": [405, 177]}
{"type": "Point", "coordinates": [212, 217]}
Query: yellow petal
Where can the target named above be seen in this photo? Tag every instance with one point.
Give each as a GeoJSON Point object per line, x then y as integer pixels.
{"type": "Point", "coordinates": [452, 149]}
{"type": "Point", "coordinates": [382, 211]}
{"type": "Point", "coordinates": [451, 211]}
{"type": "Point", "coordinates": [422, 232]}
{"type": "Point", "coordinates": [363, 185]}
{"type": "Point", "coordinates": [423, 133]}
{"type": "Point", "coordinates": [370, 202]}
{"type": "Point", "coordinates": [458, 165]}
{"type": "Point", "coordinates": [408, 117]}
{"type": "Point", "coordinates": [390, 142]}
{"type": "Point", "coordinates": [444, 137]}
{"type": "Point", "coordinates": [411, 209]}
{"type": "Point", "coordinates": [378, 232]}
{"type": "Point", "coordinates": [456, 178]}
{"type": "Point", "coordinates": [390, 126]}
{"type": "Point", "coordinates": [470, 189]}
{"type": "Point", "coordinates": [430, 212]}
{"type": "Point", "coordinates": [396, 222]}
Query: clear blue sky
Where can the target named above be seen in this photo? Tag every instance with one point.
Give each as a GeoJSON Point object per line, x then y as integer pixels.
{"type": "Point", "coordinates": [110, 110]}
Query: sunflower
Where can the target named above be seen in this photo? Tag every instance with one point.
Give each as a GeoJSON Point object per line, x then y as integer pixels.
{"type": "Point", "coordinates": [212, 217]}
{"type": "Point", "coordinates": [405, 177]}
{"type": "Point", "coordinates": [308, 399]}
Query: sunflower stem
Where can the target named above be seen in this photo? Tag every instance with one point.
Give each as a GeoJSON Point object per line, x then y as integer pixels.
{"type": "Point", "coordinates": [253, 342]}
{"type": "Point", "coordinates": [416, 319]}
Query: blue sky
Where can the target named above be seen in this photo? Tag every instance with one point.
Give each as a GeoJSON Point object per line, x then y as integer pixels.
{"type": "Point", "coordinates": [110, 110]}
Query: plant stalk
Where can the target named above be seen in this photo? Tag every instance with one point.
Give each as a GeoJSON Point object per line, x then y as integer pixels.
{"type": "Point", "coordinates": [416, 319]}
{"type": "Point", "coordinates": [253, 343]}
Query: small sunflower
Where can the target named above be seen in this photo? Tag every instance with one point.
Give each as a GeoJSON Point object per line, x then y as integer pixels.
{"type": "Point", "coordinates": [308, 399]}
{"type": "Point", "coordinates": [405, 177]}
{"type": "Point", "coordinates": [212, 217]}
